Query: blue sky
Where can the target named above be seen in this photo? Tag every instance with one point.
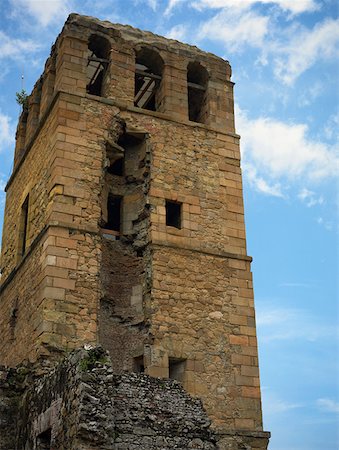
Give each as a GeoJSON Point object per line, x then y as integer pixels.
{"type": "Point", "coordinates": [284, 55]}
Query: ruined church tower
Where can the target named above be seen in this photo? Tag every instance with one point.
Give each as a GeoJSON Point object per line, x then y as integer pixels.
{"type": "Point", "coordinates": [124, 222]}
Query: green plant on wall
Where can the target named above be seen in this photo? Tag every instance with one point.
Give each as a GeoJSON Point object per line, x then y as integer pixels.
{"type": "Point", "coordinates": [22, 98]}
{"type": "Point", "coordinates": [93, 356]}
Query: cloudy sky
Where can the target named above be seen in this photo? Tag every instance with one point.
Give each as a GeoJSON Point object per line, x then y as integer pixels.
{"type": "Point", "coordinates": [284, 55]}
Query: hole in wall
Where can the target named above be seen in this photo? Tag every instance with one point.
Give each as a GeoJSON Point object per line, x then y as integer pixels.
{"type": "Point", "coordinates": [173, 214]}
{"type": "Point", "coordinates": [197, 78]}
{"type": "Point", "coordinates": [98, 59]}
{"type": "Point", "coordinates": [177, 368]}
{"type": "Point", "coordinates": [44, 440]}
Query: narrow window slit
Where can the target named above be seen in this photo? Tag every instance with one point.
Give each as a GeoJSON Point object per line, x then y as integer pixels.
{"type": "Point", "coordinates": [23, 230]}
{"type": "Point", "coordinates": [114, 204]}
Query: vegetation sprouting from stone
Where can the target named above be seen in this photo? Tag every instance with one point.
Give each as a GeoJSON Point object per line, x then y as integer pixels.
{"type": "Point", "coordinates": [22, 98]}
{"type": "Point", "coordinates": [93, 356]}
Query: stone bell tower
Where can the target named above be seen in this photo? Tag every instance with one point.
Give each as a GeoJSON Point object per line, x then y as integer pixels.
{"type": "Point", "coordinates": [124, 222]}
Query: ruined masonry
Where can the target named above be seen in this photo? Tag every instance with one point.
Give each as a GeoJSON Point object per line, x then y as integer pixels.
{"type": "Point", "coordinates": [126, 303]}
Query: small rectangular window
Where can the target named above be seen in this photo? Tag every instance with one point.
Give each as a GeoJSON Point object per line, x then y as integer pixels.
{"type": "Point", "coordinates": [23, 230]}
{"type": "Point", "coordinates": [177, 369]}
{"type": "Point", "coordinates": [114, 213]}
{"type": "Point", "coordinates": [173, 214]}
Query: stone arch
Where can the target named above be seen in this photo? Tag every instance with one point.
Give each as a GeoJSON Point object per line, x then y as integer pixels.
{"type": "Point", "coordinates": [197, 81]}
{"type": "Point", "coordinates": [148, 79]}
{"type": "Point", "coordinates": [98, 59]}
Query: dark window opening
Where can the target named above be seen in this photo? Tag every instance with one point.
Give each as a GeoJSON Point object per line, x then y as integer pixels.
{"type": "Point", "coordinates": [197, 78]}
{"type": "Point", "coordinates": [177, 368]}
{"type": "Point", "coordinates": [44, 440]}
{"type": "Point", "coordinates": [138, 364]}
{"type": "Point", "coordinates": [23, 232]}
{"type": "Point", "coordinates": [173, 214]}
{"type": "Point", "coordinates": [113, 213]}
{"type": "Point", "coordinates": [98, 59]}
{"type": "Point", "coordinates": [116, 167]}
{"type": "Point", "coordinates": [148, 71]}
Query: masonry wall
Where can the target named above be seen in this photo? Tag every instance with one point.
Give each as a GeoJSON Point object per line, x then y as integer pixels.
{"type": "Point", "coordinates": [81, 404]}
{"type": "Point", "coordinates": [149, 290]}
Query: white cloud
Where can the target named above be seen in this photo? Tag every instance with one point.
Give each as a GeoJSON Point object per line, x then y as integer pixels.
{"type": "Point", "coordinates": [310, 198]}
{"type": "Point", "coordinates": [259, 183]}
{"type": "Point", "coordinates": [2, 183]}
{"type": "Point", "coordinates": [235, 28]}
{"type": "Point", "coordinates": [171, 5]}
{"type": "Point", "coordinates": [44, 12]}
{"type": "Point", "coordinates": [280, 153]}
{"type": "Point", "coordinates": [305, 48]}
{"type": "Point", "coordinates": [152, 4]}
{"type": "Point", "coordinates": [6, 132]}
{"type": "Point", "coordinates": [327, 224]}
{"type": "Point", "coordinates": [288, 324]}
{"type": "Point", "coordinates": [16, 48]}
{"type": "Point", "coordinates": [332, 127]}
{"type": "Point", "coordinates": [308, 96]}
{"type": "Point", "coordinates": [328, 405]}
{"type": "Point", "coordinates": [293, 6]}
{"type": "Point", "coordinates": [275, 405]}
{"type": "Point", "coordinates": [177, 32]}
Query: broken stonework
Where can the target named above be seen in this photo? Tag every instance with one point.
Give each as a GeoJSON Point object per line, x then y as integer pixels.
{"type": "Point", "coordinates": [81, 404]}
{"type": "Point", "coordinates": [124, 227]}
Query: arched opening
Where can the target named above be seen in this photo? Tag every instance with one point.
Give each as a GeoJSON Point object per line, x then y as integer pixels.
{"type": "Point", "coordinates": [98, 59]}
{"type": "Point", "coordinates": [148, 73]}
{"type": "Point", "coordinates": [197, 79]}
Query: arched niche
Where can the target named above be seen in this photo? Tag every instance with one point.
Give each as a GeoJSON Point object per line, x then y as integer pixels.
{"type": "Point", "coordinates": [98, 60]}
{"type": "Point", "coordinates": [148, 76]}
{"type": "Point", "coordinates": [197, 81]}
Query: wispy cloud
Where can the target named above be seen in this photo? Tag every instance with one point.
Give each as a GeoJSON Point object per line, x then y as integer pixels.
{"type": "Point", "coordinates": [281, 153]}
{"type": "Point", "coordinates": [275, 405]}
{"type": "Point", "coordinates": [288, 324]}
{"type": "Point", "coordinates": [331, 128]}
{"type": "Point", "coordinates": [6, 132]}
{"type": "Point", "coordinates": [310, 198]}
{"type": "Point", "coordinates": [327, 224]}
{"type": "Point", "coordinates": [16, 49]}
{"type": "Point", "coordinates": [44, 12]}
{"type": "Point", "coordinates": [2, 192]}
{"type": "Point", "coordinates": [301, 285]}
{"type": "Point", "coordinates": [328, 405]}
{"type": "Point", "coordinates": [153, 4]}
{"type": "Point", "coordinates": [171, 5]}
{"type": "Point", "coordinates": [236, 28]}
{"type": "Point", "coordinates": [292, 6]}
{"type": "Point", "coordinates": [259, 183]}
{"type": "Point", "coordinates": [177, 32]}
{"type": "Point", "coordinates": [291, 49]}
{"type": "Point", "coordinates": [308, 96]}
{"type": "Point", "coordinates": [305, 48]}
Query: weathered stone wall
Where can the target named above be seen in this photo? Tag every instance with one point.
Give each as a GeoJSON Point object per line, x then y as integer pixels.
{"type": "Point", "coordinates": [81, 405]}
{"type": "Point", "coordinates": [10, 396]}
{"type": "Point", "coordinates": [198, 318]}
{"type": "Point", "coordinates": [156, 291]}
